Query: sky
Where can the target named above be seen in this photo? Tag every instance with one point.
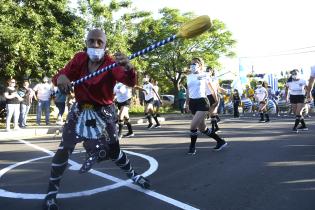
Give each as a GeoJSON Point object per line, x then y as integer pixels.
{"type": "Point", "coordinates": [272, 35]}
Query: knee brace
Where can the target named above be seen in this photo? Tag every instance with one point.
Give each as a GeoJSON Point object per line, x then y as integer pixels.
{"type": "Point", "coordinates": [126, 120]}
{"type": "Point", "coordinates": [193, 133]}
{"type": "Point", "coordinates": [207, 132]}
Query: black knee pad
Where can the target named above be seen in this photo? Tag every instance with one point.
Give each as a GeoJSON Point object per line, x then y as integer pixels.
{"type": "Point", "coordinates": [193, 133]}
{"type": "Point", "coordinates": [62, 155]}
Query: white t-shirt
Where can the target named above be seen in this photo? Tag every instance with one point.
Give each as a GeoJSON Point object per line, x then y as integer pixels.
{"type": "Point", "coordinates": [196, 84]}
{"type": "Point", "coordinates": [44, 91]}
{"type": "Point", "coordinates": [149, 93]}
{"type": "Point", "coordinates": [296, 87]}
{"type": "Point", "coordinates": [260, 93]}
{"type": "Point", "coordinates": [313, 71]}
{"type": "Point", "coordinates": [122, 92]}
{"type": "Point", "coordinates": [214, 83]}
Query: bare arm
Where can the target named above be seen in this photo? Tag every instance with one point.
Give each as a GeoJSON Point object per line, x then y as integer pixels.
{"type": "Point", "coordinates": [214, 94]}
{"type": "Point", "coordinates": [310, 87]}
{"type": "Point", "coordinates": [157, 95]}
{"type": "Point", "coordinates": [286, 93]}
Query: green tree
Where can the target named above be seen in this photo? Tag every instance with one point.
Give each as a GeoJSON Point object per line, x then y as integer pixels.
{"type": "Point", "coordinates": [37, 37]}
{"type": "Point", "coordinates": [169, 64]}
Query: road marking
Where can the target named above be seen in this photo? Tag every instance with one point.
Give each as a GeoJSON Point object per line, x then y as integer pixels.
{"type": "Point", "coordinates": [118, 182]}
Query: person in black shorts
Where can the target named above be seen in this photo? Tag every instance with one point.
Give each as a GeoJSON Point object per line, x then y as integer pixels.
{"type": "Point", "coordinates": [295, 93]}
{"type": "Point", "coordinates": [198, 104]}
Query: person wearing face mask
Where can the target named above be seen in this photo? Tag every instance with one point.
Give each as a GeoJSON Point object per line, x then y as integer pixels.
{"type": "Point", "coordinates": [92, 118]}
{"type": "Point", "coordinates": [198, 104]}
{"type": "Point", "coordinates": [261, 96]}
{"type": "Point", "coordinates": [12, 104]}
{"type": "Point", "coordinates": [123, 97]}
{"type": "Point", "coordinates": [295, 93]}
{"type": "Point", "coordinates": [149, 94]}
{"type": "Point", "coordinates": [43, 93]}
{"type": "Point", "coordinates": [213, 94]}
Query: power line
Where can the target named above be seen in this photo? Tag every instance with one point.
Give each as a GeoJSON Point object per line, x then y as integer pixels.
{"type": "Point", "coordinates": [280, 54]}
{"type": "Point", "coordinates": [301, 48]}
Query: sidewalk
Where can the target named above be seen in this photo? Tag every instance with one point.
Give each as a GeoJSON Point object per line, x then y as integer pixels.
{"type": "Point", "coordinates": [32, 131]}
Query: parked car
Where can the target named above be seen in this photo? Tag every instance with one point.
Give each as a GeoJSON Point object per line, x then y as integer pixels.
{"type": "Point", "coordinates": [167, 100]}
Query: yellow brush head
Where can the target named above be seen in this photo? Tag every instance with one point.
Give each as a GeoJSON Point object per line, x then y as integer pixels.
{"type": "Point", "coordinates": [195, 27]}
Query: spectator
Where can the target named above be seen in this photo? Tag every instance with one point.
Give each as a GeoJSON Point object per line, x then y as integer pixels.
{"type": "Point", "coordinates": [43, 93]}
{"type": "Point", "coordinates": [12, 104]}
{"type": "Point", "coordinates": [60, 102]}
{"type": "Point", "coordinates": [182, 98]}
{"type": "Point", "coordinates": [236, 102]}
{"type": "Point", "coordinates": [221, 104]}
{"type": "Point", "coordinates": [27, 94]}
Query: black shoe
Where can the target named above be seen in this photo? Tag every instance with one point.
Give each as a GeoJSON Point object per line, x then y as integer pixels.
{"type": "Point", "coordinates": [88, 163]}
{"type": "Point", "coordinates": [192, 151]}
{"type": "Point", "coordinates": [150, 126]}
{"type": "Point", "coordinates": [267, 120]}
{"type": "Point", "coordinates": [129, 135]}
{"type": "Point", "coordinates": [157, 126]}
{"type": "Point", "coordinates": [141, 181]}
{"type": "Point", "coordinates": [295, 130]}
{"type": "Point", "coordinates": [50, 204]}
{"type": "Point", "coordinates": [217, 130]}
{"type": "Point", "coordinates": [303, 128]}
{"type": "Point", "coordinates": [261, 121]}
{"type": "Point", "coordinates": [220, 145]}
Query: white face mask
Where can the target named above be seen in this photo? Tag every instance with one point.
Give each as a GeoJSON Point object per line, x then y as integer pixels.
{"type": "Point", "coordinates": [194, 68]}
{"type": "Point", "coordinates": [296, 76]}
{"type": "Point", "coordinates": [259, 86]}
{"type": "Point", "coordinates": [95, 54]}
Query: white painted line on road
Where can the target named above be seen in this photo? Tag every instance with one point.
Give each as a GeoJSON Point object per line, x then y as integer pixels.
{"type": "Point", "coordinates": [119, 182]}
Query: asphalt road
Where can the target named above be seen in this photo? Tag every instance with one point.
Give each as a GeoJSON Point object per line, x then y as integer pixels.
{"type": "Point", "coordinates": [264, 167]}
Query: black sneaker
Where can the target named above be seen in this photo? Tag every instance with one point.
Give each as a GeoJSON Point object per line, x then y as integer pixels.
{"type": "Point", "coordinates": [217, 130]}
{"type": "Point", "coordinates": [50, 204]}
{"type": "Point", "coordinates": [220, 145]}
{"type": "Point", "coordinates": [129, 135]}
{"type": "Point", "coordinates": [157, 126]}
{"type": "Point", "coordinates": [295, 130]}
{"type": "Point", "coordinates": [141, 181]}
{"type": "Point", "coordinates": [303, 128]}
{"type": "Point", "coordinates": [261, 121]}
{"type": "Point", "coordinates": [88, 163]}
{"type": "Point", "coordinates": [192, 151]}
{"type": "Point", "coordinates": [267, 120]}
{"type": "Point", "coordinates": [150, 126]}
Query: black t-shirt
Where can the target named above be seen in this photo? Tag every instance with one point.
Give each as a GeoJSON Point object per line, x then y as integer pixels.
{"type": "Point", "coordinates": [25, 94]}
{"type": "Point", "coordinates": [13, 100]}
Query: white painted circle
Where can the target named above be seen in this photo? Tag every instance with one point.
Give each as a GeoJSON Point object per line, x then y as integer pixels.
{"type": "Point", "coordinates": [119, 183]}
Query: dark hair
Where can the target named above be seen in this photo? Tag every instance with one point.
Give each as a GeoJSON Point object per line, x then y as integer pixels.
{"type": "Point", "coordinates": [294, 71]}
{"type": "Point", "coordinates": [200, 61]}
